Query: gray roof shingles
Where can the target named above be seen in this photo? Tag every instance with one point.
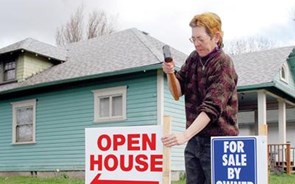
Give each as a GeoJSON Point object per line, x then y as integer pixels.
{"type": "Point", "coordinates": [37, 47]}
{"type": "Point", "coordinates": [260, 67]}
{"type": "Point", "coordinates": [130, 49]}
{"type": "Point", "coordinates": [119, 51]}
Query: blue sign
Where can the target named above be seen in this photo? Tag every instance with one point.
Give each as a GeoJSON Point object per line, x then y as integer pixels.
{"type": "Point", "coordinates": [234, 160]}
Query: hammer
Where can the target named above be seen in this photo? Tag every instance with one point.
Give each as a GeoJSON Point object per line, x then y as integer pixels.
{"type": "Point", "coordinates": [171, 76]}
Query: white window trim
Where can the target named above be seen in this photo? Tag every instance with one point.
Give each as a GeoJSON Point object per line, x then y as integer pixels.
{"type": "Point", "coordinates": [22, 104]}
{"type": "Point", "coordinates": [286, 70]}
{"type": "Point", "coordinates": [122, 90]}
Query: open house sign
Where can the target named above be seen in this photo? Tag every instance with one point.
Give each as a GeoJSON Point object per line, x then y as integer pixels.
{"type": "Point", "coordinates": [239, 160]}
{"type": "Point", "coordinates": [123, 155]}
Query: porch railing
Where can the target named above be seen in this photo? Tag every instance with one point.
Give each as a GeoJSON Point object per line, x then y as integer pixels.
{"type": "Point", "coordinates": [281, 158]}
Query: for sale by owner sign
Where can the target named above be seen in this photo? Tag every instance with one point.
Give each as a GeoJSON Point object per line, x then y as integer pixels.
{"type": "Point", "coordinates": [123, 155]}
{"type": "Point", "coordinates": [239, 160]}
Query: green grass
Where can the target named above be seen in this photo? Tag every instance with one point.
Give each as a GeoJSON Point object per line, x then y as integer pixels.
{"type": "Point", "coordinates": [274, 179]}
{"type": "Point", "coordinates": [282, 179]}
{"type": "Point", "coordinates": [178, 182]}
{"type": "Point", "coordinates": [39, 180]}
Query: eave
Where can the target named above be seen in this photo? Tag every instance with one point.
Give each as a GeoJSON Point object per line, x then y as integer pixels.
{"type": "Point", "coordinates": [84, 78]}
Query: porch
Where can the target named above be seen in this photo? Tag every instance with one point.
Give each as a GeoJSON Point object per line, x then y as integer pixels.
{"type": "Point", "coordinates": [270, 113]}
{"type": "Point", "coordinates": [281, 158]}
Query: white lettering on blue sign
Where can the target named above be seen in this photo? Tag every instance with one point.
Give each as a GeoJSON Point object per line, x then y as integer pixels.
{"type": "Point", "coordinates": [233, 173]}
{"type": "Point", "coordinates": [234, 146]}
{"type": "Point", "coordinates": [233, 156]}
{"type": "Point", "coordinates": [234, 160]}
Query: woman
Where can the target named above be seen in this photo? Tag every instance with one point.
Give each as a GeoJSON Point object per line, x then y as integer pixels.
{"type": "Point", "coordinates": [208, 82]}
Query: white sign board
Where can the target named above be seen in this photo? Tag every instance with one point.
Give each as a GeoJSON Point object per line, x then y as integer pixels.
{"type": "Point", "coordinates": [123, 155]}
{"type": "Point", "coordinates": [239, 159]}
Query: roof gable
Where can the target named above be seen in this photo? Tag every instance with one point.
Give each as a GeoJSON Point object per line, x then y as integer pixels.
{"type": "Point", "coordinates": [37, 47]}
{"type": "Point", "coordinates": [260, 67]}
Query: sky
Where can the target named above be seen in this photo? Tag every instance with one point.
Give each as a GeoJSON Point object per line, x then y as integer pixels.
{"type": "Point", "coordinates": [165, 20]}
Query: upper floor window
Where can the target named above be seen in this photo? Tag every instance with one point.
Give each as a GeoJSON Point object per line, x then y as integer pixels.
{"type": "Point", "coordinates": [110, 104]}
{"type": "Point", "coordinates": [284, 73]}
{"type": "Point", "coordinates": [24, 120]}
{"type": "Point", "coordinates": [9, 71]}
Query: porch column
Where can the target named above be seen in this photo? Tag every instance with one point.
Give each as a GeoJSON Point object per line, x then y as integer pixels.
{"type": "Point", "coordinates": [282, 122]}
{"type": "Point", "coordinates": [261, 107]}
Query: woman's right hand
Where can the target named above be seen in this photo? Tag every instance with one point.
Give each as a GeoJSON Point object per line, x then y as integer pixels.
{"type": "Point", "coordinates": [168, 67]}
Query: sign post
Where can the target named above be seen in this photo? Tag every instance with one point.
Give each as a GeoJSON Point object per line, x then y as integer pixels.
{"type": "Point", "coordinates": [240, 160]}
{"type": "Point", "coordinates": [123, 155]}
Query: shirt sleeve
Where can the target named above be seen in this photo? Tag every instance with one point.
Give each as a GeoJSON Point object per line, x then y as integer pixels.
{"type": "Point", "coordinates": [221, 83]}
{"type": "Point", "coordinates": [182, 74]}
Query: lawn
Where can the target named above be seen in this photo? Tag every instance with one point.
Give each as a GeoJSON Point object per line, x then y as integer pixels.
{"type": "Point", "coordinates": [36, 180]}
{"type": "Point", "coordinates": [274, 179]}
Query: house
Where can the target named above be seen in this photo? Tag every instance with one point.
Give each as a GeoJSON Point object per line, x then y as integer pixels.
{"type": "Point", "coordinates": [49, 95]}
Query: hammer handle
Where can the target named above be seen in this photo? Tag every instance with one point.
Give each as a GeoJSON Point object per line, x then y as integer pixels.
{"type": "Point", "coordinates": [171, 76]}
{"type": "Point", "coordinates": [173, 82]}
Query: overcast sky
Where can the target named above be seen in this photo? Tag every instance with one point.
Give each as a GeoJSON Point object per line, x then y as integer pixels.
{"type": "Point", "coordinates": [166, 20]}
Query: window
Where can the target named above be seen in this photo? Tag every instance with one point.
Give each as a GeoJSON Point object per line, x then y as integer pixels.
{"type": "Point", "coordinates": [110, 104]}
{"type": "Point", "coordinates": [284, 73]}
{"type": "Point", "coordinates": [9, 71]}
{"type": "Point", "coordinates": [23, 124]}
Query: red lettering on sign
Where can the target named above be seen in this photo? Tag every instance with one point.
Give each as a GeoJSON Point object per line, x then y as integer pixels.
{"type": "Point", "coordinates": [95, 162]}
{"type": "Point", "coordinates": [119, 140]}
{"type": "Point", "coordinates": [142, 164]}
{"type": "Point", "coordinates": [129, 162]}
{"type": "Point", "coordinates": [133, 142]}
{"type": "Point", "coordinates": [114, 161]}
{"type": "Point", "coordinates": [126, 163]}
{"type": "Point", "coordinates": [150, 141]}
{"type": "Point", "coordinates": [100, 141]}
{"type": "Point", "coordinates": [156, 163]}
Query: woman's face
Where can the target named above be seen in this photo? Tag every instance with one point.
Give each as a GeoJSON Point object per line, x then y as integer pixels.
{"type": "Point", "coordinates": [203, 43]}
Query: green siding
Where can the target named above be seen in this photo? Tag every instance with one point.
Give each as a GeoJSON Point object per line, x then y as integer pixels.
{"type": "Point", "coordinates": [291, 62]}
{"type": "Point", "coordinates": [61, 118]}
{"type": "Point", "coordinates": [175, 109]}
{"type": "Point", "coordinates": [290, 86]}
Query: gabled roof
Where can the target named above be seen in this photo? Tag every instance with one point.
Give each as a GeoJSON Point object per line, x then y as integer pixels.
{"type": "Point", "coordinates": [258, 68]}
{"type": "Point", "coordinates": [36, 47]}
{"type": "Point", "coordinates": [122, 52]}
{"type": "Point", "coordinates": [130, 51]}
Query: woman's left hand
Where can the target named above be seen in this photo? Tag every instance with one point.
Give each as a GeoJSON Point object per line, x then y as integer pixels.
{"type": "Point", "coordinates": [174, 139]}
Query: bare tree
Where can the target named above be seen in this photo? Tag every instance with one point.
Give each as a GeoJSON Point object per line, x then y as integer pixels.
{"type": "Point", "coordinates": [99, 24]}
{"type": "Point", "coordinates": [250, 44]}
{"type": "Point", "coordinates": [73, 30]}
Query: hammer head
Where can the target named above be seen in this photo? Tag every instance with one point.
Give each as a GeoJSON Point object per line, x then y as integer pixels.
{"type": "Point", "coordinates": [167, 53]}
